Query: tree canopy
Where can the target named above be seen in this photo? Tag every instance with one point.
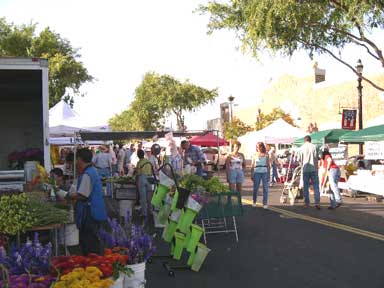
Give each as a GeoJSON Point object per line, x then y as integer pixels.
{"type": "Point", "coordinates": [235, 129]}
{"type": "Point", "coordinates": [66, 72]}
{"type": "Point", "coordinates": [286, 26]}
{"type": "Point", "coordinates": [157, 97]}
{"type": "Point", "coordinates": [264, 120]}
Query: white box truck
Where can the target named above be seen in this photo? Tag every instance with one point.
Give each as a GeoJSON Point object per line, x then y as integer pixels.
{"type": "Point", "coordinates": [24, 107]}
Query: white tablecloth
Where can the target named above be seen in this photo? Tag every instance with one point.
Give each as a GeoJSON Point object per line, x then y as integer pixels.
{"type": "Point", "coordinates": [367, 183]}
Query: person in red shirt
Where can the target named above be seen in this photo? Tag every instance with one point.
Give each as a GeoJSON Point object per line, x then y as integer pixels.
{"type": "Point", "coordinates": [333, 173]}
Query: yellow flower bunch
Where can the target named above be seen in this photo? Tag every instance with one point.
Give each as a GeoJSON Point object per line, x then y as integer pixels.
{"type": "Point", "coordinates": [80, 278]}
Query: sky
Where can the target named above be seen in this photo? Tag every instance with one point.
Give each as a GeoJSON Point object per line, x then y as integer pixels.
{"type": "Point", "coordinates": [121, 40]}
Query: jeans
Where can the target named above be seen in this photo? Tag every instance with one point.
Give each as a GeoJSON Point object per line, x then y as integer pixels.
{"type": "Point", "coordinates": [145, 189]}
{"type": "Point", "coordinates": [314, 176]}
{"type": "Point", "coordinates": [199, 170]}
{"type": "Point", "coordinates": [106, 172]}
{"type": "Point", "coordinates": [274, 175]}
{"type": "Point", "coordinates": [257, 178]}
{"type": "Point", "coordinates": [334, 176]}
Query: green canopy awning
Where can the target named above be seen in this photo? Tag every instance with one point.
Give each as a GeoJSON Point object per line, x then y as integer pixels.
{"type": "Point", "coordinates": [322, 137]}
{"type": "Point", "coordinates": [374, 133]}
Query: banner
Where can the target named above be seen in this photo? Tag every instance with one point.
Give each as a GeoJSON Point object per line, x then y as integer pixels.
{"type": "Point", "coordinates": [349, 119]}
{"type": "Point", "coordinates": [374, 150]}
{"type": "Point", "coordinates": [339, 154]}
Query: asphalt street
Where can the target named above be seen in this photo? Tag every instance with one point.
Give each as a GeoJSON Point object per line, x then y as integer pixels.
{"type": "Point", "coordinates": [289, 246]}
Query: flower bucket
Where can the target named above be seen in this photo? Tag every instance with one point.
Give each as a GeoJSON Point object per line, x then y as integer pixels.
{"type": "Point", "coordinates": [186, 220]}
{"type": "Point", "coordinates": [169, 231]}
{"type": "Point", "coordinates": [125, 206]}
{"type": "Point", "coordinates": [174, 201]}
{"type": "Point", "coordinates": [137, 279]}
{"type": "Point", "coordinates": [196, 232]}
{"type": "Point", "coordinates": [159, 195]}
{"type": "Point", "coordinates": [119, 282]}
{"type": "Point", "coordinates": [165, 180]}
{"type": "Point", "coordinates": [191, 258]}
{"type": "Point", "coordinates": [172, 250]}
{"type": "Point", "coordinates": [163, 214]}
{"type": "Point", "coordinates": [201, 254]}
{"type": "Point", "coordinates": [187, 238]}
{"type": "Point", "coordinates": [156, 222]}
{"type": "Point", "coordinates": [179, 245]}
{"type": "Point", "coordinates": [71, 234]}
{"type": "Point", "coordinates": [193, 204]}
{"type": "Point", "coordinates": [175, 215]}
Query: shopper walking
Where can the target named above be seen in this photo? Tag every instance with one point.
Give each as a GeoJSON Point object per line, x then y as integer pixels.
{"type": "Point", "coordinates": [234, 166]}
{"type": "Point", "coordinates": [103, 163]}
{"type": "Point", "coordinates": [259, 173]}
{"type": "Point", "coordinates": [273, 160]}
{"type": "Point", "coordinates": [333, 173]}
{"type": "Point", "coordinates": [120, 160]}
{"type": "Point", "coordinates": [144, 171]}
{"type": "Point", "coordinates": [309, 170]}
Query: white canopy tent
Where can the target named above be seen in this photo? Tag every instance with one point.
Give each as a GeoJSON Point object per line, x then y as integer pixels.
{"type": "Point", "coordinates": [64, 122]}
{"type": "Point", "coordinates": [279, 132]}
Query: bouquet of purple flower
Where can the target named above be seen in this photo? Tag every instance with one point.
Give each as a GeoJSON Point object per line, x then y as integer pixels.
{"type": "Point", "coordinates": [130, 239]}
{"type": "Point", "coordinates": [30, 258]}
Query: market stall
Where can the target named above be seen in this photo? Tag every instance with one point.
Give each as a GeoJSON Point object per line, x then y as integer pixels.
{"type": "Point", "coordinates": [279, 132]}
{"type": "Point", "coordinates": [323, 137]}
{"type": "Point", "coordinates": [364, 180]}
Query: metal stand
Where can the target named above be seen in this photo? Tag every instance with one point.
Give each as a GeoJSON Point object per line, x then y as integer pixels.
{"type": "Point", "coordinates": [171, 268]}
{"type": "Point", "coordinates": [211, 225]}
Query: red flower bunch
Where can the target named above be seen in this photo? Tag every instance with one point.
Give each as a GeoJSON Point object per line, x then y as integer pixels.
{"type": "Point", "coordinates": [65, 264]}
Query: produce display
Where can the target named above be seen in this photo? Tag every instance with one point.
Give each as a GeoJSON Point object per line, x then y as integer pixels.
{"type": "Point", "coordinates": [20, 212]}
{"type": "Point", "coordinates": [194, 183]}
{"type": "Point", "coordinates": [45, 213]}
{"type": "Point", "coordinates": [125, 180]}
{"type": "Point", "coordinates": [15, 214]}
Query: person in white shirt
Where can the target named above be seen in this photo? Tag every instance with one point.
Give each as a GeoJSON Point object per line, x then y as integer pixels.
{"type": "Point", "coordinates": [120, 160]}
{"type": "Point", "coordinates": [103, 163]}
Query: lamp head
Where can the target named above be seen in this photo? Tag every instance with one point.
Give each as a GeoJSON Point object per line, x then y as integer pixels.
{"type": "Point", "coordinates": [359, 67]}
{"type": "Point", "coordinates": [231, 98]}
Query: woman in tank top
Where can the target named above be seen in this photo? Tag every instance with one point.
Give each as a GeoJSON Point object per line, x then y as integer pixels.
{"type": "Point", "coordinates": [259, 173]}
{"type": "Point", "coordinates": [234, 165]}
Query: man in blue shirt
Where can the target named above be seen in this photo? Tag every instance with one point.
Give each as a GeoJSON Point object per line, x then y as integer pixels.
{"type": "Point", "coordinates": [193, 156]}
{"type": "Point", "coordinates": [90, 207]}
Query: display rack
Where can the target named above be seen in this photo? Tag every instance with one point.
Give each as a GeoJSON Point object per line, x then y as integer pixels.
{"type": "Point", "coordinates": [219, 214]}
{"type": "Point", "coordinates": [180, 232]}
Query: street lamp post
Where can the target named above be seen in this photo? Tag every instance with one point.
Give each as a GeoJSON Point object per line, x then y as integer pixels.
{"type": "Point", "coordinates": [359, 68]}
{"type": "Point", "coordinates": [230, 98]}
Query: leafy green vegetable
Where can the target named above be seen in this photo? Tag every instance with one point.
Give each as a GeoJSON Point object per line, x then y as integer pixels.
{"type": "Point", "coordinates": [15, 214]}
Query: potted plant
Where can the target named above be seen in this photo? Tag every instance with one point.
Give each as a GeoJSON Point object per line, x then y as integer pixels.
{"type": "Point", "coordinates": [130, 239]}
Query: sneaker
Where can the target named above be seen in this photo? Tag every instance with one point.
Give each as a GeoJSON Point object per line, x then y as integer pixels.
{"type": "Point", "coordinates": [253, 204]}
{"type": "Point", "coordinates": [306, 205]}
{"type": "Point", "coordinates": [337, 205]}
{"type": "Point", "coordinates": [265, 206]}
{"type": "Point", "coordinates": [317, 207]}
